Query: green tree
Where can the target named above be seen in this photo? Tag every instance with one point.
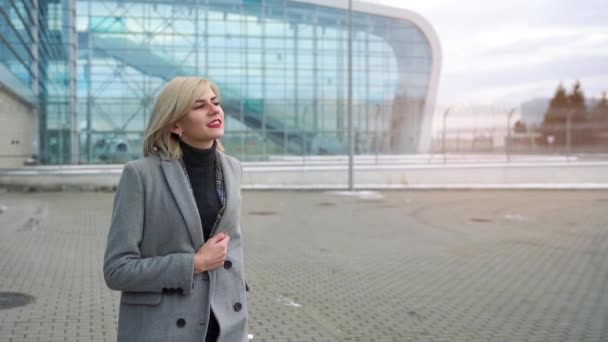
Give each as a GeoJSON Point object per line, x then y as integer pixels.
{"type": "Point", "coordinates": [554, 119]}
{"type": "Point", "coordinates": [519, 127]}
{"type": "Point", "coordinates": [600, 111]}
{"type": "Point", "coordinates": [576, 99]}
{"type": "Point", "coordinates": [581, 134]}
{"type": "Point", "coordinates": [560, 99]}
{"type": "Point", "coordinates": [562, 107]}
{"type": "Point", "coordinates": [599, 117]}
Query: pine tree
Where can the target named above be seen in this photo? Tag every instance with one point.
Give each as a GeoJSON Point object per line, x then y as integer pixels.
{"type": "Point", "coordinates": [555, 117]}
{"type": "Point", "coordinates": [519, 127]}
{"type": "Point", "coordinates": [562, 107]}
{"type": "Point", "coordinates": [599, 117]}
{"type": "Point", "coordinates": [580, 134]}
{"type": "Point", "coordinates": [560, 99]}
{"type": "Point", "coordinates": [577, 99]}
{"type": "Point", "coordinates": [601, 108]}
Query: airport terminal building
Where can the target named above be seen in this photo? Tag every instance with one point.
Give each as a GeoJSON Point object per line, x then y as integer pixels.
{"type": "Point", "coordinates": [78, 78]}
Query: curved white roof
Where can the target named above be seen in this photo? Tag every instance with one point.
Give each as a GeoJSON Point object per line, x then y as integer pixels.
{"type": "Point", "coordinates": [429, 32]}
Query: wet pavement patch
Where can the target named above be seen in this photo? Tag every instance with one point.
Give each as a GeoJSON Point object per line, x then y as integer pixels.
{"type": "Point", "coordinates": [9, 300]}
{"type": "Point", "coordinates": [414, 314]}
{"type": "Point", "coordinates": [263, 213]}
{"type": "Point", "coordinates": [388, 206]}
{"type": "Point", "coordinates": [326, 204]}
{"type": "Point", "coordinates": [481, 220]}
{"type": "Point", "coordinates": [36, 219]}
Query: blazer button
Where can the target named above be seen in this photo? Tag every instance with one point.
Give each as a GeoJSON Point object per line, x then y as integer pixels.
{"type": "Point", "coordinates": [181, 323]}
{"type": "Point", "coordinates": [238, 307]}
{"type": "Point", "coordinates": [164, 290]}
{"type": "Point", "coordinates": [227, 264]}
{"type": "Point", "coordinates": [180, 291]}
{"type": "Point", "coordinates": [172, 291]}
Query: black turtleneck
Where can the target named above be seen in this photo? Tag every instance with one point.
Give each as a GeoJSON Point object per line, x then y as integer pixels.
{"type": "Point", "coordinates": [200, 165]}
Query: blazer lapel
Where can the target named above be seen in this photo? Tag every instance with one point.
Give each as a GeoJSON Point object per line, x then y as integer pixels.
{"type": "Point", "coordinates": [222, 225]}
{"type": "Point", "coordinates": [182, 193]}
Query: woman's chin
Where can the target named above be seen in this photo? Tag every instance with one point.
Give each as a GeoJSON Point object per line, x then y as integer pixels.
{"type": "Point", "coordinates": [216, 135]}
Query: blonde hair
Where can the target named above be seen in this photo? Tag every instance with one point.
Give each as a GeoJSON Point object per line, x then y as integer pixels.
{"type": "Point", "coordinates": [175, 101]}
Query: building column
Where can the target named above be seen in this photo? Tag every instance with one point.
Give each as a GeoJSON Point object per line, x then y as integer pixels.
{"type": "Point", "coordinates": [36, 79]}
{"type": "Point", "coordinates": [71, 46]}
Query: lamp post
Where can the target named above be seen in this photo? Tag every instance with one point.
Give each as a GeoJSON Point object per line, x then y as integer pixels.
{"type": "Point", "coordinates": [445, 115]}
{"type": "Point", "coordinates": [351, 144]}
{"type": "Point", "coordinates": [508, 140]}
{"type": "Point", "coordinates": [568, 134]}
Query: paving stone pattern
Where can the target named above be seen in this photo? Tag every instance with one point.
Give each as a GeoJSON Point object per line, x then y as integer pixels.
{"type": "Point", "coordinates": [409, 266]}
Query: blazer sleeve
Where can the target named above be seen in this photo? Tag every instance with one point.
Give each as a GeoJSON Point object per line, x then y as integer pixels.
{"type": "Point", "coordinates": [124, 268]}
{"type": "Point", "coordinates": [240, 190]}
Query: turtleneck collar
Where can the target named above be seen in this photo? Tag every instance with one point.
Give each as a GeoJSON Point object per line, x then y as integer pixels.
{"type": "Point", "coordinates": [197, 157]}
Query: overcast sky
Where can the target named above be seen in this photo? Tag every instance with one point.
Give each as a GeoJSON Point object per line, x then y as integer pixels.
{"type": "Point", "coordinates": [505, 52]}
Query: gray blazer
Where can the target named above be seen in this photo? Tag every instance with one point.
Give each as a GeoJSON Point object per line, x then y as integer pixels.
{"type": "Point", "coordinates": [154, 234]}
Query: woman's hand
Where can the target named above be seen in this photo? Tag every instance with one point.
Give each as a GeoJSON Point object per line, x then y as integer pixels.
{"type": "Point", "coordinates": [212, 253]}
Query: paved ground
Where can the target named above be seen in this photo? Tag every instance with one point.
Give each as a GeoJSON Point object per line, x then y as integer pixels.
{"type": "Point", "coordinates": [409, 266]}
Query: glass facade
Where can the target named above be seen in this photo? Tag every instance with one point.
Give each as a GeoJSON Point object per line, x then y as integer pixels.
{"type": "Point", "coordinates": [34, 47]}
{"type": "Point", "coordinates": [281, 67]}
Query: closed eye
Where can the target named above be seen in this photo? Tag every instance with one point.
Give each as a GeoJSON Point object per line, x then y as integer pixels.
{"type": "Point", "coordinates": [202, 104]}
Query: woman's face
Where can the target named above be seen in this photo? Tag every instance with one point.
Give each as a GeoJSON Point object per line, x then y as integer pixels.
{"type": "Point", "coordinates": [204, 123]}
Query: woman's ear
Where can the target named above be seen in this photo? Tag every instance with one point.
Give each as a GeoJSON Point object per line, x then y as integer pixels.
{"type": "Point", "coordinates": [177, 130]}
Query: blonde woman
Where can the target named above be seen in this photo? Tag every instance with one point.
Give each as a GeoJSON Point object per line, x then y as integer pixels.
{"type": "Point", "coordinates": [174, 247]}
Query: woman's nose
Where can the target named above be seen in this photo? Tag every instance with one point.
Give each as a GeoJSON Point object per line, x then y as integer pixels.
{"type": "Point", "coordinates": [214, 109]}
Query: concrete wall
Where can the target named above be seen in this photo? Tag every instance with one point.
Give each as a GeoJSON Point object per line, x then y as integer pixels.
{"type": "Point", "coordinates": [18, 130]}
{"type": "Point", "coordinates": [554, 175]}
